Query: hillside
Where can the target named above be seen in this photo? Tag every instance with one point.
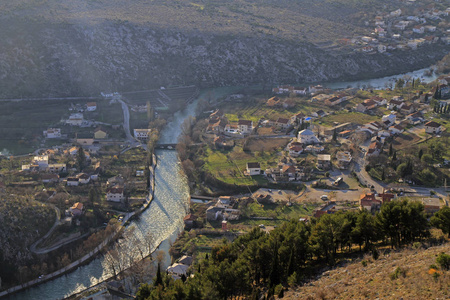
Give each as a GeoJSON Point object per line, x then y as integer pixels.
{"type": "Point", "coordinates": [57, 48]}
{"type": "Point", "coordinates": [357, 281]}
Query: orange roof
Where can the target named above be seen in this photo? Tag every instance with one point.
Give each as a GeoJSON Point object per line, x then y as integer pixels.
{"type": "Point", "coordinates": [78, 205]}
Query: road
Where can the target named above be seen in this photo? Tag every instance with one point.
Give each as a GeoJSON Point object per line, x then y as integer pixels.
{"type": "Point", "coordinates": [55, 225]}
{"type": "Point", "coordinates": [126, 122]}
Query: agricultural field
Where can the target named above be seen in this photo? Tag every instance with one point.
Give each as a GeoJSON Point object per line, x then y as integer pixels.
{"type": "Point", "coordinates": [344, 116]}
{"type": "Point", "coordinates": [229, 166]}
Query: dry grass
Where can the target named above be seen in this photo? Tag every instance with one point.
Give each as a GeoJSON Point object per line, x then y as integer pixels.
{"type": "Point", "coordinates": [267, 144]}
{"type": "Point", "coordinates": [356, 281]}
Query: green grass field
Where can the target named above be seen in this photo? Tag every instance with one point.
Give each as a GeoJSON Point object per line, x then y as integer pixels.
{"type": "Point", "coordinates": [343, 117]}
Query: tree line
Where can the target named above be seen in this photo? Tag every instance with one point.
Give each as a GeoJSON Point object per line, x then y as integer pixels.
{"type": "Point", "coordinates": [257, 262]}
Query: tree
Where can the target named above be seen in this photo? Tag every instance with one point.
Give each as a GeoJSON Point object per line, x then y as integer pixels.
{"type": "Point", "coordinates": [441, 219]}
{"type": "Point", "coordinates": [334, 135]}
{"type": "Point", "coordinates": [158, 280]}
{"type": "Point", "coordinates": [364, 230]}
{"type": "Point", "coordinates": [81, 158]}
{"type": "Point", "coordinates": [383, 176]}
{"type": "Point", "coordinates": [420, 153]}
{"type": "Point", "coordinates": [391, 150]}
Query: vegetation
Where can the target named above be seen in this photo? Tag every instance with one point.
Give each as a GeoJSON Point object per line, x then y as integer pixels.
{"type": "Point", "coordinates": [256, 261]}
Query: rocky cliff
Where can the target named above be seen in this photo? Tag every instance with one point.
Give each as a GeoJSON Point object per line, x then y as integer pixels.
{"type": "Point", "coordinates": [44, 59]}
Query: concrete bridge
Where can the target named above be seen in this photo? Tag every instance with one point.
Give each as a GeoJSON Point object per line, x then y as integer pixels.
{"type": "Point", "coordinates": [166, 146]}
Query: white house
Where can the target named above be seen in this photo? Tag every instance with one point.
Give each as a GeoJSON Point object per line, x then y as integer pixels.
{"type": "Point", "coordinates": [83, 178]}
{"type": "Point", "coordinates": [142, 134]}
{"type": "Point", "coordinates": [177, 269]}
{"type": "Point", "coordinates": [381, 48]}
{"type": "Point", "coordinates": [75, 119]}
{"type": "Point", "coordinates": [433, 127]}
{"type": "Point", "coordinates": [115, 194]}
{"type": "Point", "coordinates": [295, 150]}
{"type": "Point", "coordinates": [253, 168]}
{"type": "Point", "coordinates": [391, 118]}
{"type": "Point", "coordinates": [396, 129]}
{"type": "Point", "coordinates": [91, 106]}
{"type": "Point", "coordinates": [52, 133]}
{"type": "Point", "coordinates": [307, 137]}
{"type": "Point", "coordinates": [72, 181]}
{"type": "Point", "coordinates": [245, 126]}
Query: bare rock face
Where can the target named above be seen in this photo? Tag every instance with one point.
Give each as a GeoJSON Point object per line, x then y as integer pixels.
{"type": "Point", "coordinates": [57, 60]}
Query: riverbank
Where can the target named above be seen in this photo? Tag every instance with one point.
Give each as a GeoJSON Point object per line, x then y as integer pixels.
{"type": "Point", "coordinates": [85, 259]}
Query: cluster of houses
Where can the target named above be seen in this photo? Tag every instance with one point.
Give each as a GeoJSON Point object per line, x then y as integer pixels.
{"type": "Point", "coordinates": [223, 209]}
{"type": "Point", "coordinates": [395, 30]}
{"type": "Point", "coordinates": [219, 125]}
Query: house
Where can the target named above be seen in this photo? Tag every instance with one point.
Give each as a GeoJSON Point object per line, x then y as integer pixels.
{"type": "Point", "coordinates": [395, 104]}
{"type": "Point", "coordinates": [273, 102]}
{"type": "Point", "coordinates": [245, 126]}
{"type": "Point", "coordinates": [307, 137]}
{"type": "Point", "coordinates": [177, 269]}
{"type": "Point", "coordinates": [186, 260]}
{"type": "Point", "coordinates": [216, 126]}
{"type": "Point", "coordinates": [295, 149]}
{"type": "Point", "coordinates": [73, 151]}
{"type": "Point", "coordinates": [85, 141]}
{"type": "Point", "coordinates": [369, 202]}
{"type": "Point", "coordinates": [221, 142]}
{"type": "Point", "coordinates": [213, 213]}
{"type": "Point", "coordinates": [433, 127]}
{"type": "Point", "coordinates": [91, 106]}
{"type": "Point", "coordinates": [319, 114]}
{"type": "Point", "coordinates": [344, 159]}
{"type": "Point", "coordinates": [77, 209]}
{"type": "Point", "coordinates": [324, 161]}
{"type": "Point", "coordinates": [396, 129]}
{"type": "Point", "coordinates": [386, 197]}
{"type": "Point", "coordinates": [315, 89]}
{"type": "Point", "coordinates": [407, 109]}
{"type": "Point", "coordinates": [83, 178]}
{"type": "Point", "coordinates": [142, 134]}
{"type": "Point", "coordinates": [419, 29]}
{"type": "Point", "coordinates": [374, 148]}
{"type": "Point", "coordinates": [100, 134]}
{"type": "Point", "coordinates": [396, 13]}
{"type": "Point", "coordinates": [52, 133]}
{"type": "Point", "coordinates": [415, 118]}
{"type": "Point", "coordinates": [75, 119]}
{"type": "Point", "coordinates": [431, 205]}
{"type": "Point", "coordinates": [116, 180]}
{"type": "Point", "coordinates": [373, 127]}
{"type": "Point", "coordinates": [390, 119]}
{"type": "Point", "coordinates": [381, 48]}
{"type": "Point", "coordinates": [72, 181]}
{"type": "Point", "coordinates": [282, 123]}
{"type": "Point", "coordinates": [232, 128]}
{"type": "Point", "coordinates": [225, 202]}
{"type": "Point", "coordinates": [49, 178]}
{"type": "Point", "coordinates": [314, 148]}
{"type": "Point", "coordinates": [56, 168]}
{"type": "Point", "coordinates": [365, 106]}
{"type": "Point", "coordinates": [253, 168]}
{"type": "Point", "coordinates": [189, 220]}
{"type": "Point", "coordinates": [298, 119]}
{"type": "Point", "coordinates": [115, 194]}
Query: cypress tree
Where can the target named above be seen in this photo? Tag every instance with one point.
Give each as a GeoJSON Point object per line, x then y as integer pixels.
{"type": "Point", "coordinates": [394, 157]}
{"type": "Point", "coordinates": [391, 151]}
{"type": "Point", "coordinates": [420, 153]}
{"type": "Point", "coordinates": [158, 280]}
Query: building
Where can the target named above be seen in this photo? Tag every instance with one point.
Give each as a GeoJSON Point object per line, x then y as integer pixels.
{"type": "Point", "coordinates": [369, 202]}
{"type": "Point", "coordinates": [324, 161]}
{"type": "Point", "coordinates": [189, 220]}
{"type": "Point", "coordinates": [115, 194]}
{"type": "Point", "coordinates": [177, 269]}
{"type": "Point", "coordinates": [100, 134]}
{"type": "Point", "coordinates": [295, 150]}
{"type": "Point", "coordinates": [307, 137]}
{"type": "Point", "coordinates": [91, 106]}
{"type": "Point", "coordinates": [253, 168]}
{"type": "Point", "coordinates": [283, 123]}
{"type": "Point", "coordinates": [142, 134]}
{"type": "Point", "coordinates": [245, 126]}
{"type": "Point", "coordinates": [75, 119]}
{"type": "Point", "coordinates": [344, 159]}
{"type": "Point", "coordinates": [52, 133]}
{"type": "Point", "coordinates": [72, 181]}
{"type": "Point", "coordinates": [77, 209]}
{"type": "Point", "coordinates": [83, 178]}
{"type": "Point", "coordinates": [433, 127]}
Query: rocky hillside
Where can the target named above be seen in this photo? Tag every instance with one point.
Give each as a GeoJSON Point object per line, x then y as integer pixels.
{"type": "Point", "coordinates": [58, 48]}
{"type": "Point", "coordinates": [406, 274]}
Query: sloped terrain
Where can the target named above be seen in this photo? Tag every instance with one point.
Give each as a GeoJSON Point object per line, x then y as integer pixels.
{"type": "Point", "coordinates": [405, 274]}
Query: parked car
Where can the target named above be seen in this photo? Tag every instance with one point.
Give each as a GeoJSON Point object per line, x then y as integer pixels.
{"type": "Point", "coordinates": [324, 197]}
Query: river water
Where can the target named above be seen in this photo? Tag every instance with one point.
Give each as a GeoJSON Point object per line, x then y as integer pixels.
{"type": "Point", "coordinates": [164, 218]}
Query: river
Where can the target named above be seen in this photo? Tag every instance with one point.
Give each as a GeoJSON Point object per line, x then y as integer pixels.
{"type": "Point", "coordinates": [164, 218]}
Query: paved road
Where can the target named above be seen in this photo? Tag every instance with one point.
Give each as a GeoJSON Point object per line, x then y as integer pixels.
{"type": "Point", "coordinates": [126, 121]}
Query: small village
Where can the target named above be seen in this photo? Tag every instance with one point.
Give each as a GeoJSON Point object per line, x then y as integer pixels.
{"type": "Point", "coordinates": [407, 29]}
{"type": "Point", "coordinates": [308, 151]}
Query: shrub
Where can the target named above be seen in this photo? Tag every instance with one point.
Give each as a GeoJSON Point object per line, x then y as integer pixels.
{"type": "Point", "coordinates": [443, 260]}
{"type": "Point", "coordinates": [397, 273]}
{"type": "Point", "coordinates": [364, 263]}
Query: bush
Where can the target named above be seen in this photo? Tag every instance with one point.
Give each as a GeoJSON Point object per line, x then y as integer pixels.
{"type": "Point", "coordinates": [397, 273]}
{"type": "Point", "coordinates": [443, 260]}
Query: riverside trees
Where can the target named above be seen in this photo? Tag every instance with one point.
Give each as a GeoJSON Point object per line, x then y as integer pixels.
{"type": "Point", "coordinates": [292, 251]}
